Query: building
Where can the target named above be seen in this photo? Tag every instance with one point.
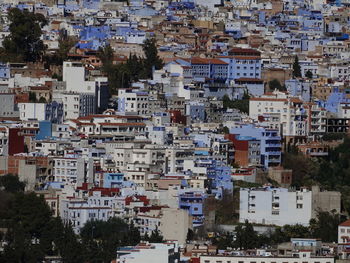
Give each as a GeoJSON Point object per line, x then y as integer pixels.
{"type": "Point", "coordinates": [134, 101]}
{"type": "Point", "coordinates": [270, 142]}
{"type": "Point", "coordinates": [301, 257]}
{"type": "Point", "coordinates": [344, 240]}
{"type": "Point", "coordinates": [149, 252]}
{"type": "Point", "coordinates": [273, 206]}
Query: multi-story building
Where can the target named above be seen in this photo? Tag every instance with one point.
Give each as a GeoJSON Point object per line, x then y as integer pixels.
{"type": "Point", "coordinates": [270, 142]}
{"type": "Point", "coordinates": [78, 211]}
{"type": "Point", "coordinates": [298, 257]}
{"type": "Point", "coordinates": [273, 206]}
{"type": "Point", "coordinates": [209, 69]}
{"type": "Point", "coordinates": [193, 202]}
{"type": "Point", "coordinates": [134, 101]}
{"type": "Point", "coordinates": [247, 150]}
{"type": "Point", "coordinates": [243, 63]}
{"type": "Point", "coordinates": [291, 111]}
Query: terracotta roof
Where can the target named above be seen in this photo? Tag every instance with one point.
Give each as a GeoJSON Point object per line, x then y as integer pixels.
{"type": "Point", "coordinates": [123, 124]}
{"type": "Point", "coordinates": [247, 57]}
{"type": "Point", "coordinates": [249, 79]}
{"type": "Point", "coordinates": [87, 124]}
{"type": "Point", "coordinates": [89, 117]}
{"type": "Point", "coordinates": [346, 223]}
{"type": "Point", "coordinates": [197, 60]}
{"type": "Point", "coordinates": [267, 99]}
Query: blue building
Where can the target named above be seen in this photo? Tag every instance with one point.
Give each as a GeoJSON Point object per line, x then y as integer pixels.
{"type": "Point", "coordinates": [113, 180]}
{"type": "Point", "coordinates": [91, 4]}
{"type": "Point", "coordinates": [93, 37]}
{"type": "Point", "coordinates": [45, 130]}
{"type": "Point", "coordinates": [298, 88]}
{"type": "Point", "coordinates": [4, 71]}
{"type": "Point", "coordinates": [243, 63]}
{"type": "Point", "coordinates": [193, 202]}
{"type": "Point", "coordinates": [196, 111]}
{"type": "Point", "coordinates": [270, 142]}
{"type": "Point", "coordinates": [54, 112]}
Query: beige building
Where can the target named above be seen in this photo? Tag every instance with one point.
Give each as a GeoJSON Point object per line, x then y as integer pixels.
{"type": "Point", "coordinates": [174, 224]}
{"type": "Point", "coordinates": [326, 201]}
{"type": "Point", "coordinates": [282, 176]}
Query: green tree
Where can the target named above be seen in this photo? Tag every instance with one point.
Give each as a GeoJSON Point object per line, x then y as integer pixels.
{"type": "Point", "coordinates": [101, 239]}
{"type": "Point", "coordinates": [10, 183]}
{"type": "Point", "coordinates": [246, 237]}
{"type": "Point", "coordinates": [151, 60]}
{"type": "Point", "coordinates": [106, 55]}
{"type": "Point", "coordinates": [275, 84]}
{"type": "Point", "coordinates": [225, 130]}
{"type": "Point", "coordinates": [156, 236]}
{"type": "Point", "coordinates": [224, 241]}
{"type": "Point", "coordinates": [190, 235]}
{"type": "Point", "coordinates": [239, 104]}
{"type": "Point", "coordinates": [65, 44]}
{"type": "Point", "coordinates": [309, 74]}
{"type": "Point", "coordinates": [23, 43]}
{"type": "Point", "coordinates": [325, 226]}
{"type": "Point", "coordinates": [304, 168]}
{"type": "Point", "coordinates": [134, 66]}
{"type": "Point", "coordinates": [26, 223]}
{"type": "Point", "coordinates": [32, 96]}
{"type": "Point", "coordinates": [296, 68]}
{"type": "Point", "coordinates": [42, 100]}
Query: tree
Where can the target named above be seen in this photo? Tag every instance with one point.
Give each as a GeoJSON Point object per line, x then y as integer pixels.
{"type": "Point", "coordinates": [42, 100]}
{"type": "Point", "coordinates": [101, 239]}
{"type": "Point", "coordinates": [119, 76]}
{"type": "Point", "coordinates": [106, 55]}
{"type": "Point", "coordinates": [325, 226]}
{"type": "Point", "coordinates": [156, 236]}
{"type": "Point", "coordinates": [246, 237]}
{"type": "Point", "coordinates": [65, 44]}
{"type": "Point", "coordinates": [26, 223]}
{"type": "Point", "coordinates": [224, 241]}
{"type": "Point", "coordinates": [225, 130]}
{"type": "Point", "coordinates": [296, 68]}
{"type": "Point", "coordinates": [239, 104]}
{"type": "Point", "coordinates": [190, 235]}
{"type": "Point", "coordinates": [304, 168]}
{"type": "Point", "coordinates": [10, 183]}
{"type": "Point", "coordinates": [309, 74]}
{"type": "Point", "coordinates": [134, 65]}
{"type": "Point", "coordinates": [152, 60]}
{"type": "Point", "coordinates": [32, 96]}
{"type": "Point", "coordinates": [275, 84]}
{"type": "Point", "coordinates": [23, 43]}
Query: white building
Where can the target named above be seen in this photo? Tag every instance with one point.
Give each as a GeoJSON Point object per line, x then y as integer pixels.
{"type": "Point", "coordinates": [150, 252]}
{"type": "Point", "coordinates": [134, 101]}
{"type": "Point", "coordinates": [302, 257]}
{"type": "Point", "coordinates": [74, 76]}
{"type": "Point", "coordinates": [289, 110]}
{"type": "Point", "coordinates": [79, 211]}
{"type": "Point", "coordinates": [67, 169]}
{"type": "Point", "coordinates": [71, 104]}
{"type": "Point", "coordinates": [32, 111]}
{"type": "Point", "coordinates": [343, 240]}
{"type": "Point", "coordinates": [344, 232]}
{"type": "Point", "coordinates": [274, 206]}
